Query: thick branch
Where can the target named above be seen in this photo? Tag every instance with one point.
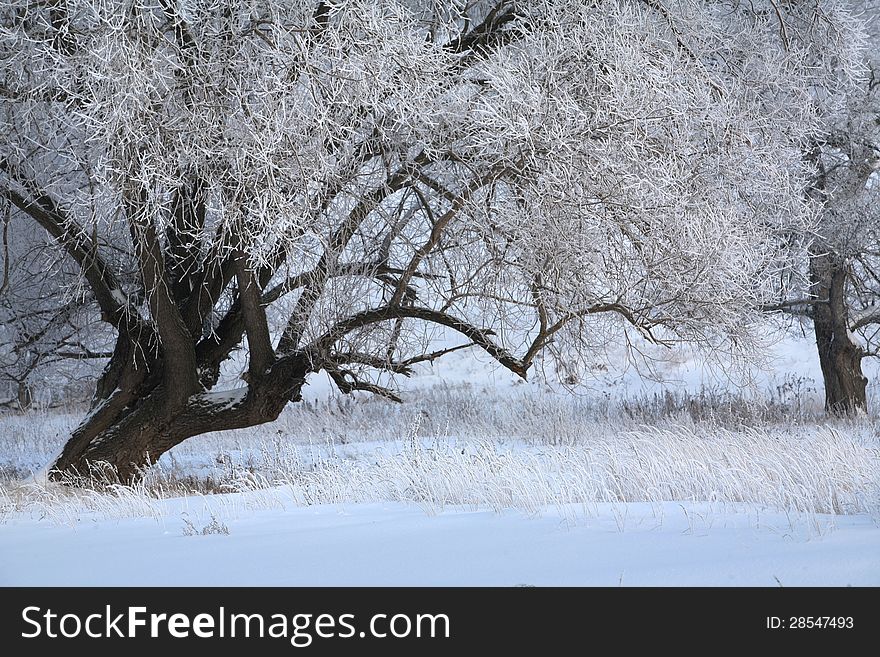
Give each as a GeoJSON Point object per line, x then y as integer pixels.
{"type": "Point", "coordinates": [215, 348]}
{"type": "Point", "coordinates": [260, 349]}
{"type": "Point", "coordinates": [788, 305]}
{"type": "Point", "coordinates": [866, 317]}
{"type": "Point", "coordinates": [182, 251]}
{"type": "Point", "coordinates": [327, 263]}
{"type": "Point", "coordinates": [480, 337]}
{"type": "Point", "coordinates": [489, 34]}
{"type": "Point", "coordinates": [69, 235]}
{"type": "Point", "coordinates": [180, 373]}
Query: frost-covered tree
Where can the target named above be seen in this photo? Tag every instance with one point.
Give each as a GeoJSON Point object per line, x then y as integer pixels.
{"type": "Point", "coordinates": [328, 181]}
{"type": "Point", "coordinates": [844, 300]}
{"type": "Point", "coordinates": [841, 298]}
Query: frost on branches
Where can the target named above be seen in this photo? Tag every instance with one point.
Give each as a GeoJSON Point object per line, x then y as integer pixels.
{"type": "Point", "coordinates": [330, 180]}
{"type": "Point", "coordinates": [840, 296]}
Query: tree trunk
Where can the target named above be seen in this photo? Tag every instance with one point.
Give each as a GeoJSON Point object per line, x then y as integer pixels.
{"type": "Point", "coordinates": [25, 395]}
{"type": "Point", "coordinates": [841, 363]}
{"type": "Point", "coordinates": [130, 430]}
{"type": "Point", "coordinates": [839, 356]}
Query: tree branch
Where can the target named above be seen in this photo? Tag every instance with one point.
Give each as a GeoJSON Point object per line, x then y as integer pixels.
{"type": "Point", "coordinates": [403, 367]}
{"type": "Point", "coordinates": [347, 386]}
{"type": "Point", "coordinates": [440, 224]}
{"type": "Point", "coordinates": [323, 270]}
{"type": "Point", "coordinates": [70, 236]}
{"type": "Point", "coordinates": [260, 349]}
{"type": "Point", "coordinates": [320, 347]}
{"type": "Point", "coordinates": [180, 373]}
{"type": "Point", "coordinates": [487, 35]}
{"type": "Point", "coordinates": [868, 316]}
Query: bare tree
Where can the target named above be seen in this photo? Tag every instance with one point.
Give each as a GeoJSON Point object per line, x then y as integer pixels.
{"type": "Point", "coordinates": [329, 181]}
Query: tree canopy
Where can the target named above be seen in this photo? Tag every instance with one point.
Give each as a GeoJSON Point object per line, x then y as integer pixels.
{"type": "Point", "coordinates": [327, 180]}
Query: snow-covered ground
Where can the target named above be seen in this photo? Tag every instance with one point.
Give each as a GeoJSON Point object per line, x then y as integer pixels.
{"type": "Point", "coordinates": [396, 544]}
{"type": "Point", "coordinates": [478, 481]}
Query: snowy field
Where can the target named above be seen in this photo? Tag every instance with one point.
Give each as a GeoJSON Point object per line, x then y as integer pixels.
{"type": "Point", "coordinates": [398, 544]}
{"type": "Point", "coordinates": [476, 481]}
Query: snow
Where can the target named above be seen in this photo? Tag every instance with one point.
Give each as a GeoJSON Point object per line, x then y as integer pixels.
{"type": "Point", "coordinates": [273, 540]}
{"type": "Point", "coordinates": [224, 398]}
{"type": "Point", "coordinates": [789, 357]}
{"type": "Point", "coordinates": [789, 361]}
{"type": "Point", "coordinates": [118, 296]}
{"type": "Point", "coordinates": [397, 544]}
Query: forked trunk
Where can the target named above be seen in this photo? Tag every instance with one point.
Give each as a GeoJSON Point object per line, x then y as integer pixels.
{"type": "Point", "coordinates": [130, 430]}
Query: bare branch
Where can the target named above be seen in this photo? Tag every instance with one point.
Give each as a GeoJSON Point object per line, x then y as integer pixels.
{"type": "Point", "coordinates": [347, 383]}
{"type": "Point", "coordinates": [479, 337]}
{"type": "Point", "coordinates": [323, 271]}
{"type": "Point", "coordinates": [107, 290]}
{"type": "Point", "coordinates": [180, 358]}
{"type": "Point", "coordinates": [261, 354]}
{"type": "Point", "coordinates": [865, 318]}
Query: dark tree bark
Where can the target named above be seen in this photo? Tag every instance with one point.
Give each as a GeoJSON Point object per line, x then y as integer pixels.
{"type": "Point", "coordinates": [25, 396]}
{"type": "Point", "coordinates": [839, 356]}
{"type": "Point", "coordinates": [133, 428]}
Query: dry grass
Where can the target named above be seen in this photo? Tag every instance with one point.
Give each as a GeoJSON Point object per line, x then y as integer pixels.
{"type": "Point", "coordinates": [805, 469]}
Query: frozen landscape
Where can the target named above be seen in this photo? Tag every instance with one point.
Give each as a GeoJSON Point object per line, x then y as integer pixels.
{"type": "Point", "coordinates": [476, 480]}
{"type": "Point", "coordinates": [395, 544]}
{"type": "Point", "coordinates": [618, 259]}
